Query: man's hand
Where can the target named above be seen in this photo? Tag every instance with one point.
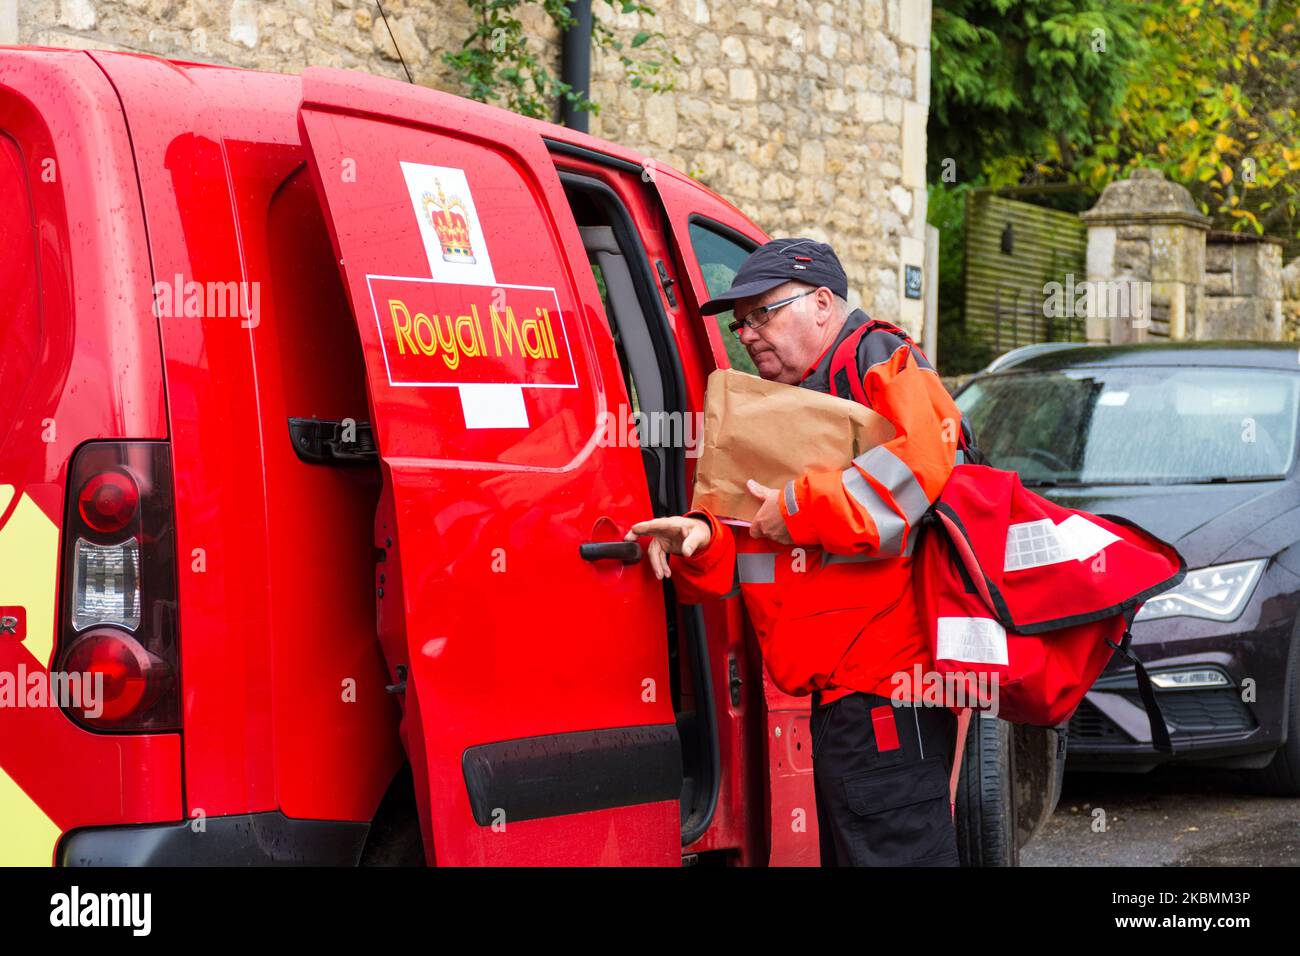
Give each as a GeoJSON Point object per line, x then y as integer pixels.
{"type": "Point", "coordinates": [682, 536]}
{"type": "Point", "coordinates": [768, 523]}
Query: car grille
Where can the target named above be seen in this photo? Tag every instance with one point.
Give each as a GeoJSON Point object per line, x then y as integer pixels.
{"type": "Point", "coordinates": [1216, 711]}
{"type": "Point", "coordinates": [1205, 711]}
{"type": "Point", "coordinates": [1088, 723]}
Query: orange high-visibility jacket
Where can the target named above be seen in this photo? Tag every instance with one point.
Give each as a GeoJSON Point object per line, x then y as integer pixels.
{"type": "Point", "coordinates": [836, 612]}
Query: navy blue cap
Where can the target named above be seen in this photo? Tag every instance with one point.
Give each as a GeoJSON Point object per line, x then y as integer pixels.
{"type": "Point", "coordinates": [779, 261]}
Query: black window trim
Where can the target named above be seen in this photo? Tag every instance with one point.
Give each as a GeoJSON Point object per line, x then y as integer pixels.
{"type": "Point", "coordinates": [723, 230]}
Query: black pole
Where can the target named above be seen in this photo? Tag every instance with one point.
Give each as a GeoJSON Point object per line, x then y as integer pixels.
{"type": "Point", "coordinates": [575, 66]}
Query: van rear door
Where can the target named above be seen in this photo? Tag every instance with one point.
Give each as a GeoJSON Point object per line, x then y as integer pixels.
{"type": "Point", "coordinates": [526, 637]}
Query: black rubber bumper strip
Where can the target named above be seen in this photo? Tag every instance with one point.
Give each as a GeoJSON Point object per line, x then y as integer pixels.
{"type": "Point", "coordinates": [254, 839]}
{"type": "Point", "coordinates": [534, 777]}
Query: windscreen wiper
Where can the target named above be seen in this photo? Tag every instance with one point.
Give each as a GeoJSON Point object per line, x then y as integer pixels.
{"type": "Point", "coordinates": [1055, 483]}
{"type": "Point", "coordinates": [1233, 479]}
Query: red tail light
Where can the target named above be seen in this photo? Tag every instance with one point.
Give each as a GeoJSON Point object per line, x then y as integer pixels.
{"type": "Point", "coordinates": [108, 501]}
{"type": "Point", "coordinates": [118, 608]}
{"type": "Point", "coordinates": [127, 678]}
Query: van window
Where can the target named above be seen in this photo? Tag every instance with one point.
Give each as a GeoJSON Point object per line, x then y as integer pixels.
{"type": "Point", "coordinates": [618, 266]}
{"type": "Point", "coordinates": [18, 287]}
{"type": "Point", "coordinates": [603, 288]}
{"type": "Point", "coordinates": [720, 259]}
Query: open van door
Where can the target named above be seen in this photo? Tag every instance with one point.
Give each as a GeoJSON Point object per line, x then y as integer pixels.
{"type": "Point", "coordinates": [713, 239]}
{"type": "Point", "coordinates": [527, 638]}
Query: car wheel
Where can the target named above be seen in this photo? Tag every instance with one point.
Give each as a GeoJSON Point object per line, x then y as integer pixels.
{"type": "Point", "coordinates": [1281, 778]}
{"type": "Point", "coordinates": [1039, 770]}
{"type": "Point", "coordinates": [986, 813]}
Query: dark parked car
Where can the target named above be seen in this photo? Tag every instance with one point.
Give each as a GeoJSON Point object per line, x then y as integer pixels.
{"type": "Point", "coordinates": [1196, 442]}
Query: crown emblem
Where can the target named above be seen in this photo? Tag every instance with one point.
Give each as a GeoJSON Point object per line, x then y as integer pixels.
{"type": "Point", "coordinates": [449, 219]}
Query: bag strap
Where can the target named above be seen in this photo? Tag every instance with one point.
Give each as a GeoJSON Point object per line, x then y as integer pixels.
{"type": "Point", "coordinates": [1159, 732]}
{"type": "Point", "coordinates": [963, 723]}
{"type": "Point", "coordinates": [846, 377]}
{"type": "Point", "coordinates": [844, 374]}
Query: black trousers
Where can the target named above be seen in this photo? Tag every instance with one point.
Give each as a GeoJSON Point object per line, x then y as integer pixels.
{"type": "Point", "coordinates": [880, 773]}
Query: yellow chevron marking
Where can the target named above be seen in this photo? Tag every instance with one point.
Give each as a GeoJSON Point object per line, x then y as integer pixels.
{"type": "Point", "coordinates": [29, 567]}
{"type": "Point", "coordinates": [27, 835]}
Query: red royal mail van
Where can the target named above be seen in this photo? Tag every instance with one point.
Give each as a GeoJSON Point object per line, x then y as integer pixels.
{"type": "Point", "coordinates": [316, 397]}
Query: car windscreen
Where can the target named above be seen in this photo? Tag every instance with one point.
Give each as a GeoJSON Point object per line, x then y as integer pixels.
{"type": "Point", "coordinates": [1136, 425]}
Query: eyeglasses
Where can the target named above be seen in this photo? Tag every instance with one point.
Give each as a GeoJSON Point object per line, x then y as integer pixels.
{"type": "Point", "coordinates": [765, 312]}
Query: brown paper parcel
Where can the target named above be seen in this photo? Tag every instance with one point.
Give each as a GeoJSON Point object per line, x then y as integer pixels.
{"type": "Point", "coordinates": [773, 432]}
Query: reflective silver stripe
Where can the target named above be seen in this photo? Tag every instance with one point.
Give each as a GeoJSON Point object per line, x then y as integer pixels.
{"type": "Point", "coordinates": [791, 506]}
{"type": "Point", "coordinates": [828, 558]}
{"type": "Point", "coordinates": [888, 469]}
{"type": "Point", "coordinates": [756, 568]}
{"type": "Point", "coordinates": [888, 523]}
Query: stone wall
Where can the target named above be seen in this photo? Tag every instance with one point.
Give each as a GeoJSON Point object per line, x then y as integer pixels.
{"type": "Point", "coordinates": [280, 35]}
{"type": "Point", "coordinates": [1243, 287]}
{"type": "Point", "coordinates": [1291, 301]}
{"type": "Point", "coordinates": [810, 116]}
{"type": "Point", "coordinates": [1201, 284]}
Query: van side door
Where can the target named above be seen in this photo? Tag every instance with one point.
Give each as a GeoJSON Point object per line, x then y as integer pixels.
{"type": "Point", "coordinates": [526, 636]}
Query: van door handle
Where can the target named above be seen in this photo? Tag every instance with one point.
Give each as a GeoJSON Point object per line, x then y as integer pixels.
{"type": "Point", "coordinates": [629, 552]}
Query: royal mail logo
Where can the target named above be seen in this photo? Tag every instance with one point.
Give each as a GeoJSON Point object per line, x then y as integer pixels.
{"type": "Point", "coordinates": [450, 221]}
{"type": "Point", "coordinates": [449, 224]}
{"type": "Point", "coordinates": [439, 333]}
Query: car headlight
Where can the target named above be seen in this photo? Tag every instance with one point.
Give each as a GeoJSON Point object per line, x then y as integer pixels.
{"type": "Point", "coordinates": [1218, 593]}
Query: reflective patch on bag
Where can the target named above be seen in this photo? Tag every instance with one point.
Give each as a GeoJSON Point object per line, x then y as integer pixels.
{"type": "Point", "coordinates": [974, 640]}
{"type": "Point", "coordinates": [1084, 538]}
{"type": "Point", "coordinates": [1033, 544]}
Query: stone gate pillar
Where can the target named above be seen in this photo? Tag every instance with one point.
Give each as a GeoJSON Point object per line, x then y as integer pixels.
{"type": "Point", "coordinates": [1146, 261]}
